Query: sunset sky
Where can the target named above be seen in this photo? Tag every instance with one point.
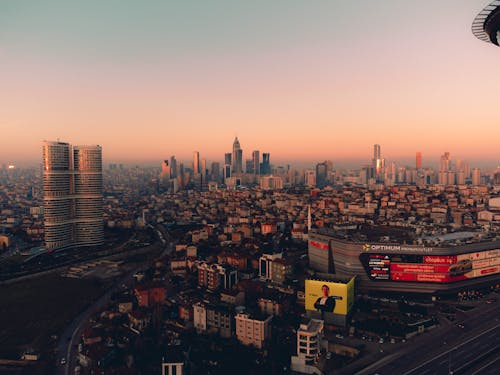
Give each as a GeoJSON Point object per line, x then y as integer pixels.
{"type": "Point", "coordinates": [303, 80]}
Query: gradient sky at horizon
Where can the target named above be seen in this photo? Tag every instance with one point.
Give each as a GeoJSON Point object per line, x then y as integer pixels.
{"type": "Point", "coordinates": [303, 80]}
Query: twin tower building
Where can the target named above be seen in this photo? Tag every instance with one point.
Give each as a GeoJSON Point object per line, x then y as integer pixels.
{"type": "Point", "coordinates": [72, 187]}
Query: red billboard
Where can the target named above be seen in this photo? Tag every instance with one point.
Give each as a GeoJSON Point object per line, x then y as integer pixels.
{"type": "Point", "coordinates": [437, 259]}
{"type": "Point", "coordinates": [319, 245]}
{"type": "Point", "coordinates": [419, 268]}
{"type": "Point", "coordinates": [432, 268]}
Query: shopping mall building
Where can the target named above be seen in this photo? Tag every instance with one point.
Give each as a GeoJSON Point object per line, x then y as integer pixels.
{"type": "Point", "coordinates": [447, 263]}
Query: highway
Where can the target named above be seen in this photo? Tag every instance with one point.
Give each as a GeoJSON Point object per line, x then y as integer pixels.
{"type": "Point", "coordinates": [462, 357]}
{"type": "Point", "coordinates": [448, 347]}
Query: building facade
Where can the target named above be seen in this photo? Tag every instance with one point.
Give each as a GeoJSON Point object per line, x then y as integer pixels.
{"type": "Point", "coordinates": [72, 186]}
{"type": "Point", "coordinates": [397, 267]}
{"type": "Point", "coordinates": [253, 330]}
{"type": "Point", "coordinates": [309, 340]}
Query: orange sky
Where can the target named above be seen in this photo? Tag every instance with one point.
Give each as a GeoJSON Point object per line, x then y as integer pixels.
{"type": "Point", "coordinates": [301, 81]}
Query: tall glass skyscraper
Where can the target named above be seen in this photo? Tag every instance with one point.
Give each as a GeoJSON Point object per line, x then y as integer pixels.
{"type": "Point", "coordinates": [237, 166]}
{"type": "Point", "coordinates": [72, 186]}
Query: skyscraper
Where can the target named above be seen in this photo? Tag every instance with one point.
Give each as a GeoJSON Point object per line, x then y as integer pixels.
{"type": "Point", "coordinates": [256, 162]}
{"type": "Point", "coordinates": [72, 186]}
{"type": "Point", "coordinates": [321, 174]}
{"type": "Point", "coordinates": [249, 166]}
{"type": "Point", "coordinates": [377, 162]}
{"type": "Point", "coordinates": [376, 152]}
{"type": "Point", "coordinates": [88, 221]}
{"type": "Point", "coordinates": [265, 167]}
{"type": "Point", "coordinates": [215, 172]}
{"type": "Point", "coordinates": [204, 170]}
{"type": "Point", "coordinates": [237, 157]}
{"type": "Point", "coordinates": [196, 162]}
{"type": "Point", "coordinates": [173, 167]}
{"type": "Point", "coordinates": [476, 177]}
{"type": "Point", "coordinates": [418, 160]}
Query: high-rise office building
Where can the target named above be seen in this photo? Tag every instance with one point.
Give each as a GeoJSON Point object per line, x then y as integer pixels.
{"type": "Point", "coordinates": [237, 166]}
{"type": "Point", "coordinates": [203, 169]}
{"type": "Point", "coordinates": [418, 160]}
{"type": "Point", "coordinates": [376, 152]}
{"type": "Point", "coordinates": [249, 166]}
{"type": "Point", "coordinates": [196, 162]}
{"type": "Point", "coordinates": [226, 171]}
{"type": "Point", "coordinates": [377, 162]}
{"type": "Point", "coordinates": [72, 186]}
{"type": "Point", "coordinates": [256, 162]}
{"type": "Point", "coordinates": [321, 174]}
{"type": "Point", "coordinates": [215, 172]}
{"type": "Point", "coordinates": [265, 167]}
{"type": "Point", "coordinates": [476, 177]}
{"type": "Point", "coordinates": [173, 167]}
{"type": "Point", "coordinates": [228, 158]}
{"type": "Point", "coordinates": [310, 178]}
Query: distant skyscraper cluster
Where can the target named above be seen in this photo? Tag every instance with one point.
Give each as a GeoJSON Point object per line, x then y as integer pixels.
{"type": "Point", "coordinates": [232, 173]}
{"type": "Point", "coordinates": [236, 171]}
{"type": "Point", "coordinates": [72, 187]}
{"type": "Point", "coordinates": [454, 173]}
{"type": "Point", "coordinates": [233, 163]}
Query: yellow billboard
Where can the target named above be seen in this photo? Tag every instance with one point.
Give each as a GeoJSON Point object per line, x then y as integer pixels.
{"type": "Point", "coordinates": [329, 297]}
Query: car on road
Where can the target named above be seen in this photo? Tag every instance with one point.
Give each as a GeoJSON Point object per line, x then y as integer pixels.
{"type": "Point", "coordinates": [63, 361]}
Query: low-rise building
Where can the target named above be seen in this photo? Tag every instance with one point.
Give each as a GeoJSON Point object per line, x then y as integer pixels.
{"type": "Point", "coordinates": [280, 269]}
{"type": "Point", "coordinates": [254, 330]}
{"type": "Point", "coordinates": [216, 276]}
{"type": "Point", "coordinates": [309, 343]}
{"type": "Point", "coordinates": [150, 295]}
{"type": "Point", "coordinates": [216, 319]}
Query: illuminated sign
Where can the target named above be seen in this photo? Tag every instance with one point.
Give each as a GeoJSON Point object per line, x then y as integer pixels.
{"type": "Point", "coordinates": [429, 268]}
{"type": "Point", "coordinates": [396, 248]}
{"type": "Point", "coordinates": [318, 245]}
{"type": "Point", "coordinates": [436, 259]}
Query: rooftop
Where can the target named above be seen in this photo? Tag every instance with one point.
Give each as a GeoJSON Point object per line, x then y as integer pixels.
{"type": "Point", "coordinates": [408, 236]}
{"type": "Point", "coordinates": [313, 326]}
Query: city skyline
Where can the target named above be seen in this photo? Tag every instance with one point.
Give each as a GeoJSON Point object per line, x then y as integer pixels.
{"type": "Point", "coordinates": [304, 83]}
{"type": "Point", "coordinates": [261, 187]}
